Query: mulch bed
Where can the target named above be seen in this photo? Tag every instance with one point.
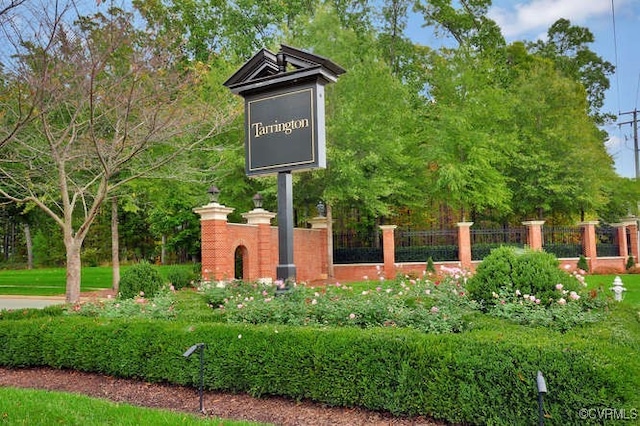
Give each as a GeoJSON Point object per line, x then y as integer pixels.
{"type": "Point", "coordinates": [276, 410]}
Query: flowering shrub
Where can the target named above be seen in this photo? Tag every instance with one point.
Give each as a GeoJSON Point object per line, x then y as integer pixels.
{"type": "Point", "coordinates": [161, 306]}
{"type": "Point", "coordinates": [566, 310]}
{"type": "Point", "coordinates": [531, 272]}
{"type": "Point", "coordinates": [431, 306]}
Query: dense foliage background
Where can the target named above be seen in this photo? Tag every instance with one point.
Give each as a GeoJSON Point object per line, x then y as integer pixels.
{"type": "Point", "coordinates": [417, 135]}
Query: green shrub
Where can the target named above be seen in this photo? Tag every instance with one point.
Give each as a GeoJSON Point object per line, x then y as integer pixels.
{"type": "Point", "coordinates": [582, 263]}
{"type": "Point", "coordinates": [538, 273]}
{"type": "Point", "coordinates": [431, 269]}
{"type": "Point", "coordinates": [485, 376]}
{"type": "Point", "coordinates": [506, 271]}
{"type": "Point", "coordinates": [141, 279]}
{"type": "Point", "coordinates": [631, 263]}
{"type": "Point", "coordinates": [492, 275]}
{"type": "Point", "coordinates": [180, 277]}
{"type": "Point", "coordinates": [90, 257]}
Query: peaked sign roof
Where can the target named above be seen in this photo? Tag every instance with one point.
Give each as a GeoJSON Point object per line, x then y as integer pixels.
{"type": "Point", "coordinates": [267, 71]}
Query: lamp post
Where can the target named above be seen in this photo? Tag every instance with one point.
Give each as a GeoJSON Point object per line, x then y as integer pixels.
{"type": "Point", "coordinates": [214, 193]}
{"type": "Point", "coordinates": [257, 201]}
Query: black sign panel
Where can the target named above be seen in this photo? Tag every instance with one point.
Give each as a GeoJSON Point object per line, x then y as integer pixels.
{"type": "Point", "coordinates": [285, 130]}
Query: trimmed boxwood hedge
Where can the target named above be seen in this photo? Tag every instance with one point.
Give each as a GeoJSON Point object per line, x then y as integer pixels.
{"type": "Point", "coordinates": [486, 376]}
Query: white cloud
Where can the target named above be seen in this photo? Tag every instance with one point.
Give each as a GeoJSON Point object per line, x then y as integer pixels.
{"type": "Point", "coordinates": [614, 143]}
{"type": "Point", "coordinates": [538, 15]}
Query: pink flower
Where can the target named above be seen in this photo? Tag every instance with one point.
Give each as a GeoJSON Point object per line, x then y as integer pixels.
{"type": "Point", "coordinates": [561, 301]}
{"type": "Point", "coordinates": [559, 286]}
{"type": "Point", "coordinates": [518, 293]}
{"type": "Point", "coordinates": [574, 296]}
{"type": "Point", "coordinates": [352, 316]}
{"type": "Point", "coordinates": [537, 301]}
{"type": "Point", "coordinates": [142, 294]}
{"type": "Point", "coordinates": [240, 305]}
{"type": "Point", "coordinates": [532, 298]}
{"type": "Point", "coordinates": [314, 302]}
{"type": "Point", "coordinates": [434, 310]}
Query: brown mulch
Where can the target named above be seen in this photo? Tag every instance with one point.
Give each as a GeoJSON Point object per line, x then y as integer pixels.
{"type": "Point", "coordinates": [280, 411]}
{"type": "Point", "coordinates": [275, 410]}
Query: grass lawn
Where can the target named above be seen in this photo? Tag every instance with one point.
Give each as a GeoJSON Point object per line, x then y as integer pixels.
{"type": "Point", "coordinates": [631, 283]}
{"type": "Point", "coordinates": [52, 281]}
{"type": "Point", "coordinates": [39, 407]}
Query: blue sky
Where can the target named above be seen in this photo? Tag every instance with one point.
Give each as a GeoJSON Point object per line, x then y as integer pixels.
{"type": "Point", "coordinates": [530, 19]}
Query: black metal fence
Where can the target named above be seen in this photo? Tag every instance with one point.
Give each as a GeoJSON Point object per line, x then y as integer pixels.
{"type": "Point", "coordinates": [607, 244]}
{"type": "Point", "coordinates": [418, 246]}
{"type": "Point", "coordinates": [442, 245]}
{"type": "Point", "coordinates": [357, 247]}
{"type": "Point", "coordinates": [563, 241]}
{"type": "Point", "coordinates": [485, 240]}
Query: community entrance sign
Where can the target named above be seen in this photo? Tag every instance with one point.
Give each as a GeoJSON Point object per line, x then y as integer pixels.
{"type": "Point", "coordinates": [284, 126]}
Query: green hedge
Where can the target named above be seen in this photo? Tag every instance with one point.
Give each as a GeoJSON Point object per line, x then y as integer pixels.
{"type": "Point", "coordinates": [478, 377]}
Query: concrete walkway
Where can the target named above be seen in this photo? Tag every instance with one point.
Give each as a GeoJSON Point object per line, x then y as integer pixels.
{"type": "Point", "coordinates": [22, 302]}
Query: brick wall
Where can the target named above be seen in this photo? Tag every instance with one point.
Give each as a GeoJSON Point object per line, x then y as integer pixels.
{"type": "Point", "coordinates": [257, 243]}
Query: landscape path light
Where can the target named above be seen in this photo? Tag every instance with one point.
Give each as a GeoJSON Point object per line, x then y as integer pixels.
{"type": "Point", "coordinates": [187, 354]}
{"type": "Point", "coordinates": [618, 289]}
{"type": "Point", "coordinates": [542, 389]}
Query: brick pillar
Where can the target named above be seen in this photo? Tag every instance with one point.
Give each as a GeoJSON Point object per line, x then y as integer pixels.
{"type": "Point", "coordinates": [322, 224]}
{"type": "Point", "coordinates": [632, 225]}
{"type": "Point", "coordinates": [534, 234]}
{"type": "Point", "coordinates": [589, 243]}
{"type": "Point", "coordinates": [389, 250]}
{"type": "Point", "coordinates": [262, 219]}
{"type": "Point", "coordinates": [621, 235]}
{"type": "Point", "coordinates": [217, 259]}
{"type": "Point", "coordinates": [464, 244]}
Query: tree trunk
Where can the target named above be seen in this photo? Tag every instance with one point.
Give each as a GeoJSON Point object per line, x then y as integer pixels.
{"type": "Point", "coordinates": [163, 250]}
{"type": "Point", "coordinates": [29, 242]}
{"type": "Point", "coordinates": [74, 268]}
{"type": "Point", "coordinates": [330, 269]}
{"type": "Point", "coordinates": [115, 245]}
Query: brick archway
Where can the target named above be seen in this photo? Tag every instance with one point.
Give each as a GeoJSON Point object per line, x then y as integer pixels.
{"type": "Point", "coordinates": [241, 262]}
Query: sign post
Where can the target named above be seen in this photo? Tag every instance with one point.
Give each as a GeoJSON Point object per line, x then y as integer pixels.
{"type": "Point", "coordinates": [284, 126]}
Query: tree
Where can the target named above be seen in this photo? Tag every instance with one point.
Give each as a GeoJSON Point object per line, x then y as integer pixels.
{"type": "Point", "coordinates": [14, 111]}
{"type": "Point", "coordinates": [7, 6]}
{"type": "Point", "coordinates": [114, 104]}
{"type": "Point", "coordinates": [557, 139]}
{"type": "Point", "coordinates": [468, 134]}
{"type": "Point", "coordinates": [468, 24]}
{"type": "Point", "coordinates": [567, 47]}
{"type": "Point", "coordinates": [370, 125]}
